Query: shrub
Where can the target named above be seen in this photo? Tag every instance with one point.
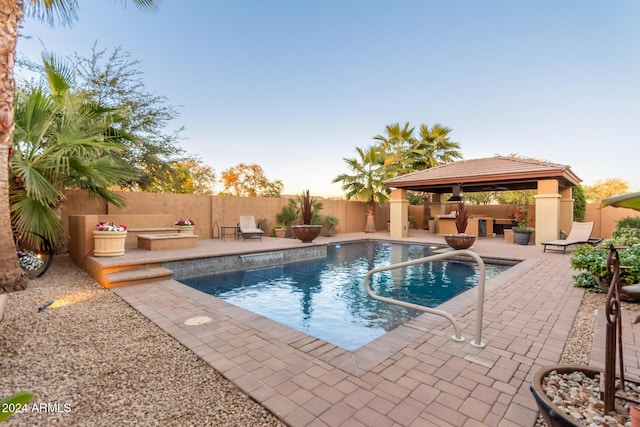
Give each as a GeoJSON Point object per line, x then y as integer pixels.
{"type": "Point", "coordinates": [587, 281]}
{"type": "Point", "coordinates": [630, 222]}
{"type": "Point", "coordinates": [594, 260]}
{"type": "Point", "coordinates": [329, 224]}
{"type": "Point", "coordinates": [627, 232]}
{"type": "Point", "coordinates": [579, 203]}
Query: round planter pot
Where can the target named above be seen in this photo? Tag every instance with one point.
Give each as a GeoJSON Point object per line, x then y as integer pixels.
{"type": "Point", "coordinates": [109, 243]}
{"type": "Point", "coordinates": [552, 415]}
{"type": "Point", "coordinates": [186, 229]}
{"type": "Point", "coordinates": [306, 233]}
{"type": "Point", "coordinates": [459, 241]}
{"type": "Point", "coordinates": [521, 238]}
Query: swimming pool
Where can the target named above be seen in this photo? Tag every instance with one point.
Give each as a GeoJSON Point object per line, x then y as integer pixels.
{"type": "Point", "coordinates": [327, 299]}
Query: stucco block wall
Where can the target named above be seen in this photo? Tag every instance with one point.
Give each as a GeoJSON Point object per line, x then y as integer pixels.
{"type": "Point", "coordinates": [162, 210]}
{"type": "Point", "coordinates": [605, 219]}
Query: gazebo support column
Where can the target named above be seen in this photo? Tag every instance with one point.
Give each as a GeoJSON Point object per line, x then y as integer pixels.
{"type": "Point", "coordinates": [547, 221]}
{"type": "Point", "coordinates": [399, 214]}
{"type": "Point", "coordinates": [566, 209]}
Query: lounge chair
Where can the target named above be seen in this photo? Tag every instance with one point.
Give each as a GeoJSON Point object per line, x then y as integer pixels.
{"type": "Point", "coordinates": [580, 233]}
{"type": "Point", "coordinates": [249, 229]}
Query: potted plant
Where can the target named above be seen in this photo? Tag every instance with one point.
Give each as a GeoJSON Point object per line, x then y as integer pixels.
{"type": "Point", "coordinates": [521, 231]}
{"type": "Point", "coordinates": [185, 226]}
{"type": "Point", "coordinates": [109, 239]}
{"type": "Point", "coordinates": [279, 232]}
{"type": "Point", "coordinates": [460, 240]}
{"type": "Point", "coordinates": [432, 225]}
{"type": "Point", "coordinates": [309, 215]}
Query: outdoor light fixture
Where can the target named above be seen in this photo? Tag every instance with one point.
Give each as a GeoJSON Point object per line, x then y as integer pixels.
{"type": "Point", "coordinates": [45, 305]}
{"type": "Point", "coordinates": [457, 194]}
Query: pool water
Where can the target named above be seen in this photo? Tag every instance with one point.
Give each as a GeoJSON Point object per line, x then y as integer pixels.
{"type": "Point", "coordinates": [327, 298]}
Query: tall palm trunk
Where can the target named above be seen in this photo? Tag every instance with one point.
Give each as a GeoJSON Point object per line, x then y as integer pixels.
{"type": "Point", "coordinates": [11, 275]}
{"type": "Point", "coordinates": [370, 226]}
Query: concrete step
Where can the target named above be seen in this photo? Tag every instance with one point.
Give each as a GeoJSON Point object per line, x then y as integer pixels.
{"type": "Point", "coordinates": [136, 276]}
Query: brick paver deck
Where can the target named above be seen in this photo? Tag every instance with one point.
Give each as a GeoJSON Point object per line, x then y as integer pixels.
{"type": "Point", "coordinates": [413, 376]}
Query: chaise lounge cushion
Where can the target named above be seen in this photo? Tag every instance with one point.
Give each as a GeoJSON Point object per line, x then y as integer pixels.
{"type": "Point", "coordinates": [248, 228]}
{"type": "Point", "coordinates": [580, 233]}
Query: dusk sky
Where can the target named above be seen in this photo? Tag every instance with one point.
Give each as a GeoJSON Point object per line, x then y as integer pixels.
{"type": "Point", "coordinates": [295, 86]}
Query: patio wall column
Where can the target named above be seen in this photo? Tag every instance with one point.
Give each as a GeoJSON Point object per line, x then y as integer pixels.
{"type": "Point", "coordinates": [566, 209]}
{"type": "Point", "coordinates": [399, 214]}
{"type": "Point", "coordinates": [547, 221]}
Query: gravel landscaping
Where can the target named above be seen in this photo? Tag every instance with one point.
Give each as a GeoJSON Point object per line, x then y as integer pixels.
{"type": "Point", "coordinates": [91, 359]}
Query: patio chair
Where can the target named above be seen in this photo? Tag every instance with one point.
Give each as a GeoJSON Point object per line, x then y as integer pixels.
{"type": "Point", "coordinates": [249, 229]}
{"type": "Point", "coordinates": [580, 233]}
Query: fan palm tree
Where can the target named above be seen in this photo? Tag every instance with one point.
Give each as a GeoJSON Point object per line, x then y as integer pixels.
{"type": "Point", "coordinates": [366, 181]}
{"type": "Point", "coordinates": [11, 14]}
{"type": "Point", "coordinates": [432, 148]}
{"type": "Point", "coordinates": [61, 141]}
{"type": "Point", "coordinates": [394, 146]}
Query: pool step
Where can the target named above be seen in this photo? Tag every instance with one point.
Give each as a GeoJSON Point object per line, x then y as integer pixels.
{"type": "Point", "coordinates": [136, 276]}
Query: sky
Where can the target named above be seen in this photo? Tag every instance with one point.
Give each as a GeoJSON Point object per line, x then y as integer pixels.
{"type": "Point", "coordinates": [296, 86]}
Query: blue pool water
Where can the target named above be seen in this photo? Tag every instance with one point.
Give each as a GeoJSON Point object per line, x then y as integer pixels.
{"type": "Point", "coordinates": [327, 298]}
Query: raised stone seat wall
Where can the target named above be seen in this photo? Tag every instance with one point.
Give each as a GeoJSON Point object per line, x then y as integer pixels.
{"type": "Point", "coordinates": [158, 242]}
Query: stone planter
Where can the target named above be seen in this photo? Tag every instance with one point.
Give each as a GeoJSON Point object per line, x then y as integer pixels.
{"type": "Point", "coordinates": [521, 238]}
{"type": "Point", "coordinates": [306, 233]}
{"type": "Point", "coordinates": [552, 415]}
{"type": "Point", "coordinates": [459, 241]}
{"type": "Point", "coordinates": [186, 229]}
{"type": "Point", "coordinates": [280, 232]}
{"type": "Point", "coordinates": [432, 226]}
{"type": "Point", "coordinates": [109, 243]}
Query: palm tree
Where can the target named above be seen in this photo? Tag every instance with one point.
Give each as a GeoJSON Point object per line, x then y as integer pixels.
{"type": "Point", "coordinates": [11, 14]}
{"type": "Point", "coordinates": [61, 140]}
{"type": "Point", "coordinates": [365, 182]}
{"type": "Point", "coordinates": [432, 148]}
{"type": "Point", "coordinates": [397, 142]}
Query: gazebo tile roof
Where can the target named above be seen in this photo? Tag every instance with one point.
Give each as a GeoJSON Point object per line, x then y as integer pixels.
{"type": "Point", "coordinates": [512, 172]}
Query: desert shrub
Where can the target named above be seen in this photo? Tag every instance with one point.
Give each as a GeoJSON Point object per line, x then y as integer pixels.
{"type": "Point", "coordinates": [329, 224]}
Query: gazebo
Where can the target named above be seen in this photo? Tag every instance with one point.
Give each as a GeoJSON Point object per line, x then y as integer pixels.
{"type": "Point", "coordinates": [554, 183]}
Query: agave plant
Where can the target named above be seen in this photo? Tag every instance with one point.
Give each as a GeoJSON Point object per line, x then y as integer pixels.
{"type": "Point", "coordinates": [462, 218]}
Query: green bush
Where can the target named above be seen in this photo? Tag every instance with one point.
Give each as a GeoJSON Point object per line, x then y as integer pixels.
{"type": "Point", "coordinates": [626, 236]}
{"type": "Point", "coordinates": [579, 203]}
{"type": "Point", "coordinates": [630, 222]}
{"type": "Point", "coordinates": [587, 281]}
{"type": "Point", "coordinates": [627, 232]}
{"type": "Point", "coordinates": [329, 224]}
{"type": "Point", "coordinates": [594, 260]}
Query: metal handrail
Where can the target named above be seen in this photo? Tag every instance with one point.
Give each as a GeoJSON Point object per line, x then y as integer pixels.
{"type": "Point", "coordinates": [477, 342]}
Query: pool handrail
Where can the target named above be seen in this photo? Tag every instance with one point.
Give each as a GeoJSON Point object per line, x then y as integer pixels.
{"type": "Point", "coordinates": [477, 342]}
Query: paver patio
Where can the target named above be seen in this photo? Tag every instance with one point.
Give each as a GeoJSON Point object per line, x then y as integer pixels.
{"type": "Point", "coordinates": [414, 375]}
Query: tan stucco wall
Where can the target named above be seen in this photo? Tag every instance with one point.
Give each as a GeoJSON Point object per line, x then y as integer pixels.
{"type": "Point", "coordinates": [162, 210]}
{"type": "Point", "coordinates": [605, 219]}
